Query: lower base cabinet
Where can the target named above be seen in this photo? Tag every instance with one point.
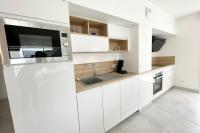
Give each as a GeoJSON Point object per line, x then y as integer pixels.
{"type": "Point", "coordinates": [145, 89]}
{"type": "Point", "coordinates": [102, 108]}
{"type": "Point", "coordinates": [111, 105]}
{"type": "Point", "coordinates": [129, 97]}
{"type": "Point", "coordinates": [90, 111]}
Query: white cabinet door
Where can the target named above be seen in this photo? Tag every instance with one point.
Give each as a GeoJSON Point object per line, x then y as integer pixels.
{"type": "Point", "coordinates": [52, 10]}
{"type": "Point", "coordinates": [168, 78]}
{"type": "Point", "coordinates": [89, 43]}
{"type": "Point", "coordinates": [118, 32]}
{"type": "Point", "coordinates": [90, 111]}
{"type": "Point", "coordinates": [167, 84]}
{"type": "Point", "coordinates": [145, 48]}
{"type": "Point", "coordinates": [42, 97]}
{"type": "Point", "coordinates": [145, 89]}
{"type": "Point", "coordinates": [111, 105]}
{"type": "Point", "coordinates": [129, 97]}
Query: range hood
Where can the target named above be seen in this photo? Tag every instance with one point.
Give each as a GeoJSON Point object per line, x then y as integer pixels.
{"type": "Point", "coordinates": [157, 43]}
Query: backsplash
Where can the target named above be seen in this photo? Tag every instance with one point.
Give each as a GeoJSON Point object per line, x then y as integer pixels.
{"type": "Point", "coordinates": [85, 70]}
{"type": "Point", "coordinates": [163, 60]}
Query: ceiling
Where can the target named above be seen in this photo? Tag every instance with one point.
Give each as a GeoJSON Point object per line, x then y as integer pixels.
{"type": "Point", "coordinates": [178, 8]}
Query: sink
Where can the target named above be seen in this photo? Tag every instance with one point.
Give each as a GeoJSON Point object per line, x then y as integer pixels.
{"type": "Point", "coordinates": [91, 80]}
{"type": "Point", "coordinates": [100, 78]}
{"type": "Point", "coordinates": [109, 76]}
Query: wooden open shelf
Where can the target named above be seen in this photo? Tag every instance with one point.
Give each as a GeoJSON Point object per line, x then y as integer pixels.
{"type": "Point", "coordinates": [97, 28]}
{"type": "Point", "coordinates": [84, 26]}
{"type": "Point", "coordinates": [79, 25]}
{"type": "Point", "coordinates": [118, 45]}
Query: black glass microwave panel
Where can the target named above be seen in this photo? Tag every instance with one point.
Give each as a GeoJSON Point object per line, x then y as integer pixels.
{"type": "Point", "coordinates": [26, 42]}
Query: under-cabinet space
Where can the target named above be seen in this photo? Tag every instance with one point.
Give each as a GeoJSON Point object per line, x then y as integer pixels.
{"type": "Point", "coordinates": [79, 25]}
{"type": "Point", "coordinates": [97, 28]}
{"type": "Point", "coordinates": [118, 45]}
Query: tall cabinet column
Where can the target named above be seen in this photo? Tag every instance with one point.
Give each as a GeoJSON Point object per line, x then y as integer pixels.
{"type": "Point", "coordinates": [139, 59]}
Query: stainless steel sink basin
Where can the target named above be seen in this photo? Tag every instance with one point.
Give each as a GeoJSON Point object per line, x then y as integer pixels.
{"type": "Point", "coordinates": [109, 76]}
{"type": "Point", "coordinates": [91, 80]}
{"type": "Point", "coordinates": [100, 78]}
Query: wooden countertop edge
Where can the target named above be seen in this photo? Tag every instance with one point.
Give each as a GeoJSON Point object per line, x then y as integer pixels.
{"type": "Point", "coordinates": [80, 87]}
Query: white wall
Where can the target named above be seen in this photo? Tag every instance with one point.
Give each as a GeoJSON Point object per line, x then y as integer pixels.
{"type": "Point", "coordinates": [132, 10]}
{"type": "Point", "coordinates": [186, 47]}
{"type": "Point", "coordinates": [53, 11]}
{"type": "Point", "coordinates": [3, 93]}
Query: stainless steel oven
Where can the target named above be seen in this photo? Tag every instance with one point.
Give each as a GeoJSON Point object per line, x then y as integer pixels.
{"type": "Point", "coordinates": [158, 82]}
{"type": "Point", "coordinates": [33, 42]}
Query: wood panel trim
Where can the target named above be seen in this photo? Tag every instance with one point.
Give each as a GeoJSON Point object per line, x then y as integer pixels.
{"type": "Point", "coordinates": [163, 60]}
{"type": "Point", "coordinates": [85, 70]}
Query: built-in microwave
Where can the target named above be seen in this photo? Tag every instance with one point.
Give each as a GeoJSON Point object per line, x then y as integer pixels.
{"type": "Point", "coordinates": [32, 42]}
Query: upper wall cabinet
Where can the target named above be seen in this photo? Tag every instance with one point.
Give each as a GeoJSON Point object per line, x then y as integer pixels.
{"type": "Point", "coordinates": [88, 43]}
{"type": "Point", "coordinates": [84, 26]}
{"type": "Point", "coordinates": [118, 32]}
{"type": "Point", "coordinates": [49, 10]}
{"type": "Point", "coordinates": [88, 35]}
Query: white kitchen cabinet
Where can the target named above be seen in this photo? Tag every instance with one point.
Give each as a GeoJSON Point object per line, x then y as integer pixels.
{"type": "Point", "coordinates": [129, 97]}
{"type": "Point", "coordinates": [145, 89]}
{"type": "Point", "coordinates": [51, 10]}
{"type": "Point", "coordinates": [145, 48]}
{"type": "Point", "coordinates": [118, 32]}
{"type": "Point", "coordinates": [90, 111]}
{"type": "Point", "coordinates": [111, 105]}
{"type": "Point", "coordinates": [89, 43]}
{"type": "Point", "coordinates": [42, 97]}
{"type": "Point", "coordinates": [168, 78]}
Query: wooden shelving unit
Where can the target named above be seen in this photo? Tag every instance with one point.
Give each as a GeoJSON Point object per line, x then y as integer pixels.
{"type": "Point", "coordinates": [97, 28]}
{"type": "Point", "coordinates": [118, 45]}
{"type": "Point", "coordinates": [79, 25]}
{"type": "Point", "coordinates": [84, 26]}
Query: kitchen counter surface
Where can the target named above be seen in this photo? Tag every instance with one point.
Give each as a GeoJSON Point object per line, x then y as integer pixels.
{"type": "Point", "coordinates": [80, 87]}
{"type": "Point", "coordinates": [161, 67]}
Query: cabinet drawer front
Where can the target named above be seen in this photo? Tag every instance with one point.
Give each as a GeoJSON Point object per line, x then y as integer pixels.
{"type": "Point", "coordinates": [89, 43]}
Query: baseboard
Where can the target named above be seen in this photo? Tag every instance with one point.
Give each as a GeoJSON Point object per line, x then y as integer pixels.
{"type": "Point", "coordinates": [188, 89]}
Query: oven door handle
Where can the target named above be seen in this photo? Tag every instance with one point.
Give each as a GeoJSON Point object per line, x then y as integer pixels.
{"type": "Point", "coordinates": [158, 77]}
{"type": "Point", "coordinates": [155, 78]}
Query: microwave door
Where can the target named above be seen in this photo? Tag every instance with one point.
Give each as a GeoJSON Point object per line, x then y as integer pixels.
{"type": "Point", "coordinates": [26, 42]}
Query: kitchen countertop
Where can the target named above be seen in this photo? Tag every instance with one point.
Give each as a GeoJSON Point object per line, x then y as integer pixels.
{"type": "Point", "coordinates": [80, 87]}
{"type": "Point", "coordinates": [161, 67]}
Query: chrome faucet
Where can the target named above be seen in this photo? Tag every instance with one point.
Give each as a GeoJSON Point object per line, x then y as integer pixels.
{"type": "Point", "coordinates": [92, 65]}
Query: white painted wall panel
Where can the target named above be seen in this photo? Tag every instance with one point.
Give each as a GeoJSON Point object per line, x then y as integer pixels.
{"type": "Point", "coordinates": [51, 10]}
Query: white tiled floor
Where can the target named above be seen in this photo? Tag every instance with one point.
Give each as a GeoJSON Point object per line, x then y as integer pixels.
{"type": "Point", "coordinates": [177, 111]}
